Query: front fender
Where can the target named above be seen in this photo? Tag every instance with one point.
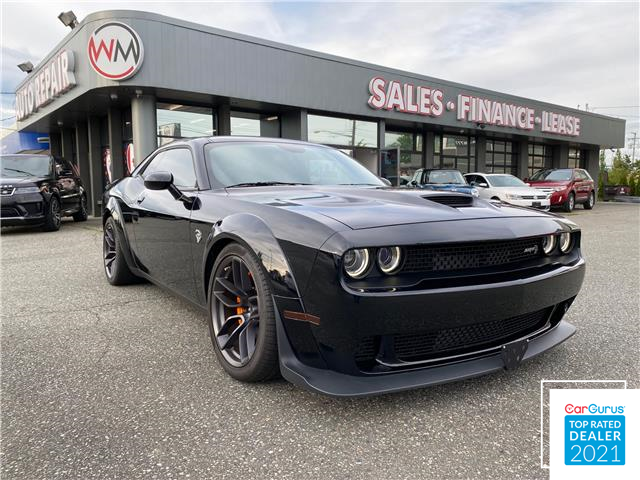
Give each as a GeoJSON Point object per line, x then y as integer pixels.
{"type": "Point", "coordinates": [112, 209]}
{"type": "Point", "coordinates": [252, 232]}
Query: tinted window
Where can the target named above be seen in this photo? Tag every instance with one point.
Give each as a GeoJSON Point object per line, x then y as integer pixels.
{"type": "Point", "coordinates": [177, 161]}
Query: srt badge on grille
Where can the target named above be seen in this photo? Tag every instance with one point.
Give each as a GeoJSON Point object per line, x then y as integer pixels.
{"type": "Point", "coordinates": [533, 249]}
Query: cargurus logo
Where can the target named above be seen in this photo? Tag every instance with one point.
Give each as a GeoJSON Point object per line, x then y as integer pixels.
{"type": "Point", "coordinates": [594, 409]}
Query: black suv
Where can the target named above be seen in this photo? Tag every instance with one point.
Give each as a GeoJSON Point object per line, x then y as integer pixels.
{"type": "Point", "coordinates": [40, 190]}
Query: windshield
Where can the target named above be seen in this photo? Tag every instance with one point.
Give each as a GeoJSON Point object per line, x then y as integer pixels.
{"type": "Point", "coordinates": [246, 164]}
{"type": "Point", "coordinates": [553, 175]}
{"type": "Point", "coordinates": [445, 176]}
{"type": "Point", "coordinates": [505, 181]}
{"type": "Point", "coordinates": [25, 165]}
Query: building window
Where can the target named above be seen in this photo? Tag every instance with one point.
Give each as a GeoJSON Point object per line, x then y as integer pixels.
{"type": "Point", "coordinates": [410, 145]}
{"type": "Point", "coordinates": [500, 157]}
{"type": "Point", "coordinates": [455, 152]}
{"type": "Point", "coordinates": [576, 159]}
{"type": "Point", "coordinates": [342, 131]}
{"type": "Point", "coordinates": [255, 124]}
{"type": "Point", "coordinates": [539, 156]}
{"type": "Point", "coordinates": [183, 121]}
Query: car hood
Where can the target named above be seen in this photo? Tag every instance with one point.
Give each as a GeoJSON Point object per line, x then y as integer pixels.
{"type": "Point", "coordinates": [360, 208]}
{"type": "Point", "coordinates": [22, 181]}
{"type": "Point", "coordinates": [540, 183]}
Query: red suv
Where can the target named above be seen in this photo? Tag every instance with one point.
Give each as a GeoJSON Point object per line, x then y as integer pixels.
{"type": "Point", "coordinates": [567, 187]}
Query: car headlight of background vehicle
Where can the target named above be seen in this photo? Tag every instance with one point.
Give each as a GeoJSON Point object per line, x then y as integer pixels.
{"type": "Point", "coordinates": [548, 244]}
{"type": "Point", "coordinates": [475, 192]}
{"type": "Point", "coordinates": [27, 190]}
{"type": "Point", "coordinates": [565, 242]}
{"type": "Point", "coordinates": [356, 262]}
{"type": "Point", "coordinates": [559, 189]}
{"type": "Point", "coordinates": [389, 259]}
{"type": "Point", "coordinates": [513, 196]}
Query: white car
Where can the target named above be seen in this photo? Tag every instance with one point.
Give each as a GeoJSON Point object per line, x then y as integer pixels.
{"type": "Point", "coordinates": [508, 189]}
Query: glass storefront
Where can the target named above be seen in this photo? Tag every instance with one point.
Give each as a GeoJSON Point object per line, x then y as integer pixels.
{"type": "Point", "coordinates": [410, 145]}
{"type": "Point", "coordinates": [176, 121]}
{"type": "Point", "coordinates": [255, 124]}
{"type": "Point", "coordinates": [343, 132]}
{"type": "Point", "coordinates": [501, 157]}
{"type": "Point", "coordinates": [455, 151]}
{"type": "Point", "coordinates": [576, 159]}
{"type": "Point", "coordinates": [539, 156]}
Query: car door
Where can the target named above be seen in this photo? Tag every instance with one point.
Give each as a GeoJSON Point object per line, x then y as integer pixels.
{"type": "Point", "coordinates": [483, 192]}
{"type": "Point", "coordinates": [161, 223]}
{"type": "Point", "coordinates": [67, 185]}
{"type": "Point", "coordinates": [578, 186]}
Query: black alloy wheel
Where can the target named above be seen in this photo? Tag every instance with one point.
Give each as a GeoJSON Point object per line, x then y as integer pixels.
{"type": "Point", "coordinates": [109, 249]}
{"type": "Point", "coordinates": [591, 201]}
{"type": "Point", "coordinates": [53, 219]}
{"type": "Point", "coordinates": [570, 203]}
{"type": "Point", "coordinates": [115, 265]}
{"type": "Point", "coordinates": [81, 215]}
{"type": "Point", "coordinates": [242, 319]}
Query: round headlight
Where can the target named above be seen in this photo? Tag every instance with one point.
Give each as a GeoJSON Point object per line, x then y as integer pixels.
{"type": "Point", "coordinates": [565, 242]}
{"type": "Point", "coordinates": [548, 244]}
{"type": "Point", "coordinates": [389, 259]}
{"type": "Point", "coordinates": [356, 262]}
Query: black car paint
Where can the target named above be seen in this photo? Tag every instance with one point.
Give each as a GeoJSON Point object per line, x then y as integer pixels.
{"type": "Point", "coordinates": [62, 182]}
{"type": "Point", "coordinates": [300, 233]}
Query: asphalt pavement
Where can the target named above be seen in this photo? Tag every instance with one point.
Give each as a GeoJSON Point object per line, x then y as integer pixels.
{"type": "Point", "coordinates": [121, 382]}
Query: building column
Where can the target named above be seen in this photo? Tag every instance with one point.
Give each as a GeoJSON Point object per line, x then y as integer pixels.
{"type": "Point", "coordinates": [55, 144]}
{"type": "Point", "coordinates": [95, 165]}
{"type": "Point", "coordinates": [67, 144]}
{"type": "Point", "coordinates": [224, 120]}
{"type": "Point", "coordinates": [481, 154]}
{"type": "Point", "coordinates": [293, 125]}
{"type": "Point", "coordinates": [592, 163]}
{"type": "Point", "coordinates": [522, 152]}
{"type": "Point", "coordinates": [143, 123]}
{"type": "Point", "coordinates": [382, 128]}
{"type": "Point", "coordinates": [114, 124]}
{"type": "Point", "coordinates": [427, 147]}
{"type": "Point", "coordinates": [560, 156]}
{"type": "Point", "coordinates": [82, 153]}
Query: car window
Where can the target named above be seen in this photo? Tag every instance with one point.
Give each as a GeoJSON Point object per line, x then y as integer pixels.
{"type": "Point", "coordinates": [585, 175]}
{"type": "Point", "coordinates": [178, 162]}
{"type": "Point", "coordinates": [552, 175]}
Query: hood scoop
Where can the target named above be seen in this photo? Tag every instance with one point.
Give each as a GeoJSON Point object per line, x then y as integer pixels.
{"type": "Point", "coordinates": [453, 201]}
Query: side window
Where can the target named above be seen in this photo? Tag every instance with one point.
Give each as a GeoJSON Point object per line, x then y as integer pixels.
{"type": "Point", "coordinates": [585, 175]}
{"type": "Point", "coordinates": [177, 161]}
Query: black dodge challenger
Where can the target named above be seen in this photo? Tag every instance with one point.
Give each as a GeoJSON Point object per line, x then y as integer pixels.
{"type": "Point", "coordinates": [309, 266]}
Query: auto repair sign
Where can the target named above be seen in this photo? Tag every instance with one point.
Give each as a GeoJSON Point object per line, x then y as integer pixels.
{"type": "Point", "coordinates": [115, 51]}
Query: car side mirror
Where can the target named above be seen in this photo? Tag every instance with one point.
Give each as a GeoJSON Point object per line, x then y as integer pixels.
{"type": "Point", "coordinates": [483, 185]}
{"type": "Point", "coordinates": [158, 180]}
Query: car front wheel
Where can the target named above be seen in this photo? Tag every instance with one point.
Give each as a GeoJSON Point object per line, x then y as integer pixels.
{"type": "Point", "coordinates": [81, 215]}
{"type": "Point", "coordinates": [242, 316]}
{"type": "Point", "coordinates": [591, 201]}
{"type": "Point", "coordinates": [115, 265]}
{"type": "Point", "coordinates": [53, 218]}
{"type": "Point", "coordinates": [569, 203]}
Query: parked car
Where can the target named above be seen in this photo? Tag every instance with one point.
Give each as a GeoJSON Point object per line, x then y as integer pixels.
{"type": "Point", "coordinates": [442, 180]}
{"type": "Point", "coordinates": [40, 190]}
{"type": "Point", "coordinates": [309, 266]}
{"type": "Point", "coordinates": [567, 186]}
{"type": "Point", "coordinates": [508, 189]}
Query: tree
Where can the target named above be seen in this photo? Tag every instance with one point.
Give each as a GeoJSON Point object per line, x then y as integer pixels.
{"type": "Point", "coordinates": [619, 173]}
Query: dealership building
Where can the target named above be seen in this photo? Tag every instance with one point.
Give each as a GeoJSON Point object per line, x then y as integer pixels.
{"type": "Point", "coordinates": [123, 82]}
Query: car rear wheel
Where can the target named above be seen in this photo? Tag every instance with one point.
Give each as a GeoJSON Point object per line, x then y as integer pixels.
{"type": "Point", "coordinates": [569, 203]}
{"type": "Point", "coordinates": [591, 201]}
{"type": "Point", "coordinates": [54, 215]}
{"type": "Point", "coordinates": [242, 316]}
{"type": "Point", "coordinates": [81, 215]}
{"type": "Point", "coordinates": [115, 265]}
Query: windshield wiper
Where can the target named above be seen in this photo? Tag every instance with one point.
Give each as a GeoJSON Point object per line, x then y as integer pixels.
{"type": "Point", "coordinates": [264, 184]}
{"type": "Point", "coordinates": [19, 171]}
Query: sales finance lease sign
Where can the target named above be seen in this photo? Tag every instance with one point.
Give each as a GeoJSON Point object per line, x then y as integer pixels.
{"type": "Point", "coordinates": [48, 83]}
{"type": "Point", "coordinates": [115, 51]}
{"type": "Point", "coordinates": [428, 101]}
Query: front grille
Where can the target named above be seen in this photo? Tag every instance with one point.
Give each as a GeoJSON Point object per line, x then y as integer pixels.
{"type": "Point", "coordinates": [9, 212]}
{"type": "Point", "coordinates": [7, 191]}
{"type": "Point", "coordinates": [451, 200]}
{"type": "Point", "coordinates": [457, 340]}
{"type": "Point", "coordinates": [534, 197]}
{"type": "Point", "coordinates": [463, 256]}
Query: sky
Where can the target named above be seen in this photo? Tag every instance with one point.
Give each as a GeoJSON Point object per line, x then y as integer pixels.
{"type": "Point", "coordinates": [572, 54]}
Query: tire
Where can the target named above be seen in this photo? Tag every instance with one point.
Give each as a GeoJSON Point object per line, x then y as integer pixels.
{"type": "Point", "coordinates": [81, 215]}
{"type": "Point", "coordinates": [591, 201]}
{"type": "Point", "coordinates": [242, 328]}
{"type": "Point", "coordinates": [569, 203]}
{"type": "Point", "coordinates": [53, 218]}
{"type": "Point", "coordinates": [115, 265]}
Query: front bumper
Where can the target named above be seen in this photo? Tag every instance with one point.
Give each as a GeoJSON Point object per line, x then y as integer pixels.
{"type": "Point", "coordinates": [542, 204]}
{"type": "Point", "coordinates": [22, 209]}
{"type": "Point", "coordinates": [558, 198]}
{"type": "Point", "coordinates": [345, 318]}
